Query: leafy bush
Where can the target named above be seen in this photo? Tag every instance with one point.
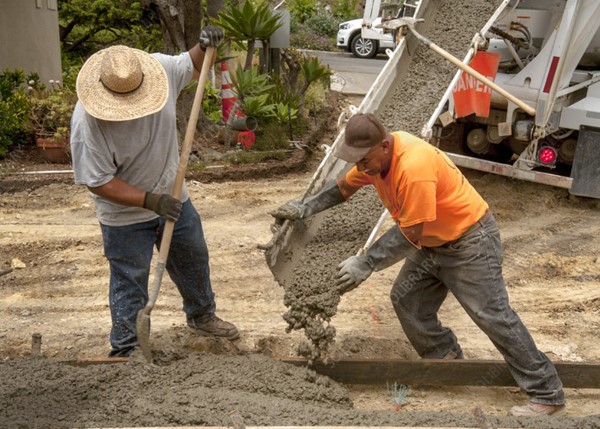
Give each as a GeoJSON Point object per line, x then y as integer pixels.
{"type": "Point", "coordinates": [211, 104]}
{"type": "Point", "coordinates": [251, 89]}
{"type": "Point", "coordinates": [304, 38]}
{"type": "Point", "coordinates": [270, 136]}
{"type": "Point", "coordinates": [323, 24]}
{"type": "Point", "coordinates": [301, 10]}
{"type": "Point", "coordinates": [51, 110]}
{"type": "Point", "coordinates": [14, 110]}
{"type": "Point", "coordinates": [345, 10]}
{"type": "Point", "coordinates": [314, 98]}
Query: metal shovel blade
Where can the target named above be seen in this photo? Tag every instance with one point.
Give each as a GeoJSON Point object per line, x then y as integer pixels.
{"type": "Point", "coordinates": [142, 323]}
{"type": "Point", "coordinates": [142, 320]}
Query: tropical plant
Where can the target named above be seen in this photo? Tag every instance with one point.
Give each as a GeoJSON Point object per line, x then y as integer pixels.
{"type": "Point", "coordinates": [284, 113]}
{"type": "Point", "coordinates": [312, 71]}
{"type": "Point", "coordinates": [251, 22]}
{"type": "Point", "coordinates": [257, 106]}
{"type": "Point", "coordinates": [301, 71]}
{"type": "Point", "coordinates": [251, 89]}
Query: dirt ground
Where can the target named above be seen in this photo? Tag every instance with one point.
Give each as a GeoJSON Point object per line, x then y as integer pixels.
{"type": "Point", "coordinates": [59, 289]}
{"type": "Point", "coordinates": [49, 233]}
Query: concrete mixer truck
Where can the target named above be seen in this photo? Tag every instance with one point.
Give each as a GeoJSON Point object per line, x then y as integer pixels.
{"type": "Point", "coordinates": [547, 60]}
{"type": "Point", "coordinates": [547, 56]}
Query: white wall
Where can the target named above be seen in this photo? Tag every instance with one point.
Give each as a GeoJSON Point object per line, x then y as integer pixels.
{"type": "Point", "coordinates": [29, 37]}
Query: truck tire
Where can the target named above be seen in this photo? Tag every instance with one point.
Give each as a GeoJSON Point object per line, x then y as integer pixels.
{"type": "Point", "coordinates": [363, 48]}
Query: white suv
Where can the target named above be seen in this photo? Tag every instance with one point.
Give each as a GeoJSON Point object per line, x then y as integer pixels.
{"type": "Point", "coordinates": [349, 38]}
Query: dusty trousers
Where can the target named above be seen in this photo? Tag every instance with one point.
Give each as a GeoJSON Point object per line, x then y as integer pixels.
{"type": "Point", "coordinates": [471, 269]}
{"type": "Point", "coordinates": [129, 251]}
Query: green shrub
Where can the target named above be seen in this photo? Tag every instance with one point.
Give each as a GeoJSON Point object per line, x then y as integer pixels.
{"type": "Point", "coordinates": [14, 110]}
{"type": "Point", "coordinates": [314, 98]}
{"type": "Point", "coordinates": [51, 110]}
{"type": "Point", "coordinates": [304, 38]}
{"type": "Point", "coordinates": [323, 24]}
{"type": "Point", "coordinates": [211, 104]}
{"type": "Point", "coordinates": [301, 10]}
{"type": "Point", "coordinates": [345, 10]}
{"type": "Point", "coordinates": [271, 136]}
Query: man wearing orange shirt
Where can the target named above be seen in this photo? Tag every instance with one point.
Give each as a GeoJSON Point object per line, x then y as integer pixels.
{"type": "Point", "coordinates": [451, 243]}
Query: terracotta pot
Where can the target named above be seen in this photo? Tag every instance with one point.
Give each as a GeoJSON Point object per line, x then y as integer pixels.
{"type": "Point", "coordinates": [53, 151]}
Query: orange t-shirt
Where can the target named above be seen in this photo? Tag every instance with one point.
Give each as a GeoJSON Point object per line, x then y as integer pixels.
{"type": "Point", "coordinates": [424, 186]}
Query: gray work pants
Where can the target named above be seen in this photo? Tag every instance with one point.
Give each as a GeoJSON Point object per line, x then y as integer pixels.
{"type": "Point", "coordinates": [471, 268]}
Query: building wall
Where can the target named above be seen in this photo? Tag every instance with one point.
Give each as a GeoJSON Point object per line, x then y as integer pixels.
{"type": "Point", "coordinates": [29, 37]}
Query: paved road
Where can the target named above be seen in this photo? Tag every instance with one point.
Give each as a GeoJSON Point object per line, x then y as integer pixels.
{"type": "Point", "coordinates": [352, 76]}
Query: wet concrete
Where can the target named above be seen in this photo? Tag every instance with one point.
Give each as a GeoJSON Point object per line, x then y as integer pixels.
{"type": "Point", "coordinates": [310, 294]}
{"type": "Point", "coordinates": [201, 390]}
{"type": "Point", "coordinates": [206, 390]}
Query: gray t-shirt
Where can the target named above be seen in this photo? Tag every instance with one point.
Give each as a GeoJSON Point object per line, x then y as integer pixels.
{"type": "Point", "coordinates": [142, 152]}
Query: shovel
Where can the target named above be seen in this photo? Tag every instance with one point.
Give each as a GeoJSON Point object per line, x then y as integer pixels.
{"type": "Point", "coordinates": [407, 22]}
{"type": "Point", "coordinates": [143, 316]}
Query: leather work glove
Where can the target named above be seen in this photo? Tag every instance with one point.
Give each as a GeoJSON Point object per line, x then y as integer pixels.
{"type": "Point", "coordinates": [163, 205]}
{"type": "Point", "coordinates": [210, 36]}
{"type": "Point", "coordinates": [328, 197]}
{"type": "Point", "coordinates": [389, 249]}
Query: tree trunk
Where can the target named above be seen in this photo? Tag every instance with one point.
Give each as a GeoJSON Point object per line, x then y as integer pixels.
{"type": "Point", "coordinates": [249, 55]}
{"type": "Point", "coordinates": [192, 21]}
{"type": "Point", "coordinates": [180, 20]}
{"type": "Point", "coordinates": [213, 7]}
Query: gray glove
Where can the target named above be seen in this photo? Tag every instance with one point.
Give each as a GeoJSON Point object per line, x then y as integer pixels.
{"type": "Point", "coordinates": [328, 197]}
{"type": "Point", "coordinates": [163, 205]}
{"type": "Point", "coordinates": [389, 249]}
{"type": "Point", "coordinates": [353, 271]}
{"type": "Point", "coordinates": [210, 36]}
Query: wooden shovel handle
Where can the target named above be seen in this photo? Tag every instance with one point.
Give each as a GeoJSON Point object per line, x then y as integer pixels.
{"type": "Point", "coordinates": [186, 147]}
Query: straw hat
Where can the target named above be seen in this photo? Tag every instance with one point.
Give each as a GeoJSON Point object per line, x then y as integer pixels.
{"type": "Point", "coordinates": [121, 83]}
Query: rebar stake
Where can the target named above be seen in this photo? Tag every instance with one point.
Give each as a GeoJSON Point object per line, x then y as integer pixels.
{"type": "Point", "coordinates": [36, 344]}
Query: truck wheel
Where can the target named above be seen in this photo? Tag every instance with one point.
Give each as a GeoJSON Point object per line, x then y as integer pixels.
{"type": "Point", "coordinates": [363, 48]}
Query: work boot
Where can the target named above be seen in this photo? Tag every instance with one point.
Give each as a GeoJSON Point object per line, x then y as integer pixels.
{"type": "Point", "coordinates": [215, 327]}
{"type": "Point", "coordinates": [537, 410]}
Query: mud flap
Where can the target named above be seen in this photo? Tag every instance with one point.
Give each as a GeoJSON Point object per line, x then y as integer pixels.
{"type": "Point", "coordinates": [586, 165]}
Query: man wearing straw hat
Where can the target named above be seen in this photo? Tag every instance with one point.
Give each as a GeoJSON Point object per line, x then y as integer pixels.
{"type": "Point", "coordinates": [125, 150]}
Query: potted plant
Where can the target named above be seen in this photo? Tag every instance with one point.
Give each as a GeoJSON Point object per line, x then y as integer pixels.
{"type": "Point", "coordinates": [50, 118]}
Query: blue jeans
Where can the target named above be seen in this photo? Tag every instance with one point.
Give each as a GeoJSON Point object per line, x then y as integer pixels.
{"type": "Point", "coordinates": [129, 252]}
{"type": "Point", "coordinates": [471, 268]}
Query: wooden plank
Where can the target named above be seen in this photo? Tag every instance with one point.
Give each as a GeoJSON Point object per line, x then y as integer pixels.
{"type": "Point", "coordinates": [295, 427]}
{"type": "Point", "coordinates": [432, 372]}
{"type": "Point", "coordinates": [442, 372]}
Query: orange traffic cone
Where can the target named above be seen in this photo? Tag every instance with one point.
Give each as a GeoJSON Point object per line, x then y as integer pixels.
{"type": "Point", "coordinates": [245, 138]}
{"type": "Point", "coordinates": [227, 96]}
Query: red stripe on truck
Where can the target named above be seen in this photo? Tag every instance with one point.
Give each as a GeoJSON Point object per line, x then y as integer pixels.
{"type": "Point", "coordinates": [551, 74]}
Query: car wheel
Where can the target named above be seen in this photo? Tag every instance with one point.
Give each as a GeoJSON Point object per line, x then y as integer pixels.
{"type": "Point", "coordinates": [363, 48]}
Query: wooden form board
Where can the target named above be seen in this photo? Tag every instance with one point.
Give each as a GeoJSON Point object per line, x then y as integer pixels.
{"type": "Point", "coordinates": [442, 372]}
{"type": "Point", "coordinates": [296, 427]}
{"type": "Point", "coordinates": [432, 372]}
